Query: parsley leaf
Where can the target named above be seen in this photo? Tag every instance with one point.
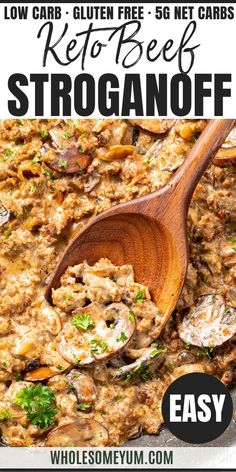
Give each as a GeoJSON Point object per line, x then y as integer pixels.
{"type": "Point", "coordinates": [139, 298]}
{"type": "Point", "coordinates": [43, 417]}
{"type": "Point", "coordinates": [205, 351]}
{"type": "Point", "coordinates": [83, 322]}
{"type": "Point", "coordinates": [63, 163]}
{"type": "Point", "coordinates": [195, 136]}
{"type": "Point", "coordinates": [131, 315]}
{"type": "Point", "coordinates": [157, 351]}
{"type": "Point", "coordinates": [84, 406]}
{"type": "Point", "coordinates": [44, 133]}
{"type": "Point", "coordinates": [67, 135]}
{"type": "Point", "coordinates": [5, 415]}
{"type": "Point", "coordinates": [36, 159]}
{"type": "Point", "coordinates": [104, 347]}
{"type": "Point", "coordinates": [122, 337]}
{"type": "Point", "coordinates": [96, 347]}
{"type": "Point", "coordinates": [37, 400]}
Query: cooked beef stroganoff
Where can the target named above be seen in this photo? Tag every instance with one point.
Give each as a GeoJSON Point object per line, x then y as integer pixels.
{"type": "Point", "coordinates": [91, 369]}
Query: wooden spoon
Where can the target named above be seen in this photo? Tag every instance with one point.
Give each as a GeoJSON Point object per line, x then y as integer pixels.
{"type": "Point", "coordinates": [149, 232]}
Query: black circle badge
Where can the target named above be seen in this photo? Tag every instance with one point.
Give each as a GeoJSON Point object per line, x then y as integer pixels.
{"type": "Point", "coordinates": [197, 408]}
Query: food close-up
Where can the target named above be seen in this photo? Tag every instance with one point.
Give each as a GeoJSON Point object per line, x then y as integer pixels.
{"type": "Point", "coordinates": [90, 365]}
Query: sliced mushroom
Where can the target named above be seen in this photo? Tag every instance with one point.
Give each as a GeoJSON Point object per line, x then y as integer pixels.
{"type": "Point", "coordinates": [83, 386]}
{"type": "Point", "coordinates": [61, 139]}
{"type": "Point", "coordinates": [71, 161]}
{"type": "Point", "coordinates": [109, 332]}
{"type": "Point", "coordinates": [208, 324]}
{"type": "Point", "coordinates": [4, 214]}
{"type": "Point", "coordinates": [154, 125]}
{"type": "Point", "coordinates": [40, 374]}
{"type": "Point", "coordinates": [226, 155]}
{"type": "Point", "coordinates": [115, 152]}
{"type": "Point", "coordinates": [228, 255]}
{"type": "Point", "coordinates": [80, 433]}
{"type": "Point", "coordinates": [91, 182]}
{"type": "Point", "coordinates": [149, 356]}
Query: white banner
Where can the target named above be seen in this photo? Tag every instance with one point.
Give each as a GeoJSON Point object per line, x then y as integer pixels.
{"type": "Point", "coordinates": [187, 47]}
{"type": "Point", "coordinates": [119, 458]}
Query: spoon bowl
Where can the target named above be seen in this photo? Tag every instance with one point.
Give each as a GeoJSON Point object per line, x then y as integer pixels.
{"type": "Point", "coordinates": [150, 232]}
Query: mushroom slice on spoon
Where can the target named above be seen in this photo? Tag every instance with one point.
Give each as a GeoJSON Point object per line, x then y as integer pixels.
{"type": "Point", "coordinates": [226, 155]}
{"type": "Point", "coordinates": [209, 324]}
{"type": "Point", "coordinates": [80, 433]}
{"type": "Point", "coordinates": [4, 214]}
{"type": "Point", "coordinates": [154, 126]}
{"type": "Point", "coordinates": [96, 333]}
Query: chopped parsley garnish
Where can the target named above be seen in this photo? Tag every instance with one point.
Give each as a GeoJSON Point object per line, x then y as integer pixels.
{"type": "Point", "coordinates": [131, 315]}
{"type": "Point", "coordinates": [43, 417]}
{"type": "Point", "coordinates": [187, 345]}
{"type": "Point", "coordinates": [145, 373]}
{"type": "Point", "coordinates": [38, 401]}
{"type": "Point", "coordinates": [138, 367]}
{"type": "Point", "coordinates": [157, 351]}
{"type": "Point", "coordinates": [205, 351]}
{"type": "Point", "coordinates": [8, 153]}
{"type": "Point", "coordinates": [112, 325]}
{"type": "Point", "coordinates": [63, 163]}
{"type": "Point", "coordinates": [104, 347]}
{"type": "Point", "coordinates": [122, 337]}
{"type": "Point", "coordinates": [81, 150]}
{"type": "Point", "coordinates": [97, 347]}
{"type": "Point", "coordinates": [18, 376]}
{"type": "Point", "coordinates": [76, 359]}
{"type": "Point", "coordinates": [36, 159]}
{"type": "Point", "coordinates": [227, 310]}
{"type": "Point", "coordinates": [44, 133]}
{"type": "Point", "coordinates": [7, 233]}
{"type": "Point", "coordinates": [4, 363]}
{"type": "Point", "coordinates": [119, 399]}
{"type": "Point", "coordinates": [139, 298]}
{"type": "Point", "coordinates": [69, 296]}
{"type": "Point", "coordinates": [148, 161]}
{"type": "Point", "coordinates": [127, 377]}
{"type": "Point", "coordinates": [170, 366]}
{"type": "Point", "coordinates": [83, 322]}
{"type": "Point", "coordinates": [67, 135]}
{"type": "Point", "coordinates": [113, 278]}
{"type": "Point", "coordinates": [196, 136]}
{"type": "Point", "coordinates": [32, 188]}
{"type": "Point", "coordinates": [5, 415]}
{"type": "Point", "coordinates": [84, 406]}
{"type": "Point", "coordinates": [48, 173]}
{"type": "Point", "coordinates": [94, 345]}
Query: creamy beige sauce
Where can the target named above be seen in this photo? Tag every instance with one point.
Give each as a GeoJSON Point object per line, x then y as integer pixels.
{"type": "Point", "coordinates": [39, 344]}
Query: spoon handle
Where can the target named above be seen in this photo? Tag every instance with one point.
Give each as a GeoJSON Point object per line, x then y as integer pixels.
{"type": "Point", "coordinates": [184, 182]}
